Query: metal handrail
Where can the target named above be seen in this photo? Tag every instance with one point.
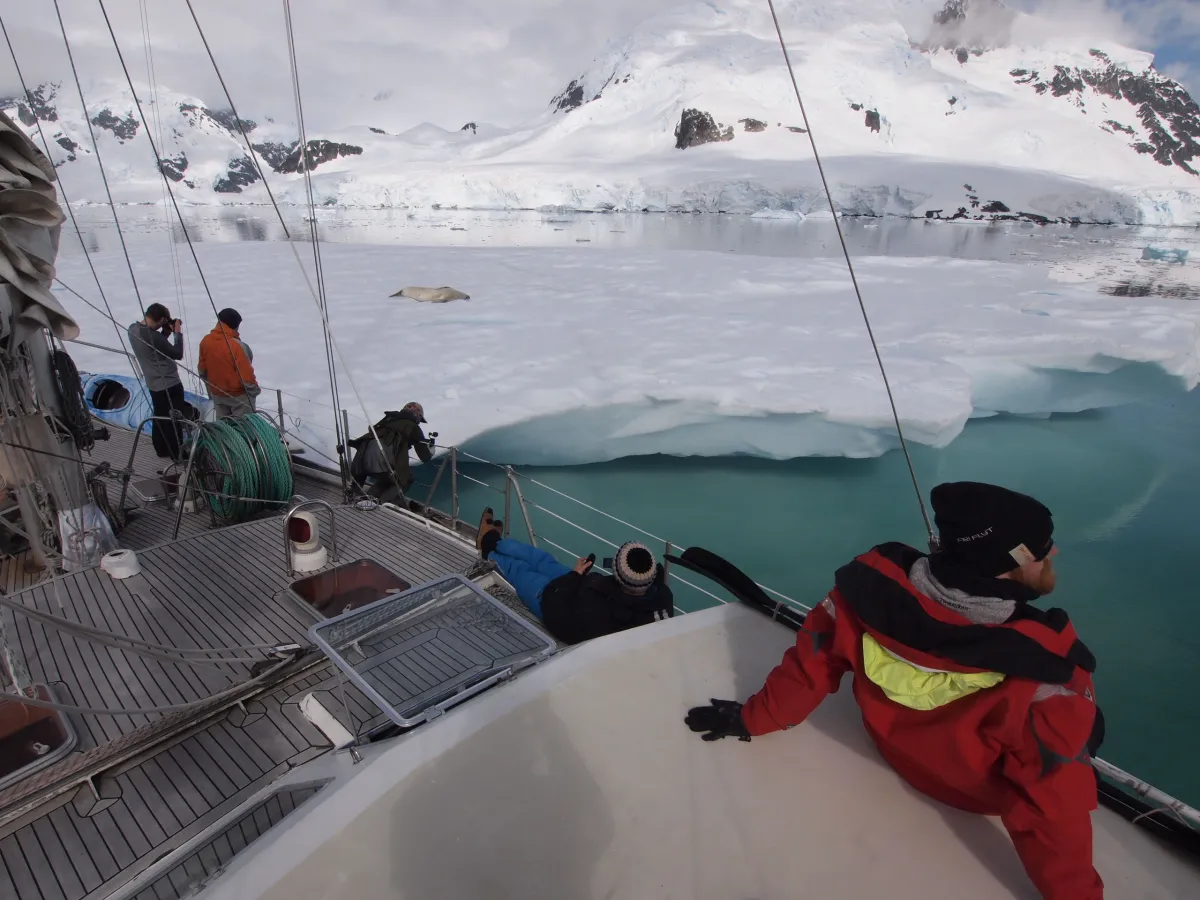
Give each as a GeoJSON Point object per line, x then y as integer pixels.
{"type": "Point", "coordinates": [175, 417]}
{"type": "Point", "coordinates": [287, 542]}
{"type": "Point", "coordinates": [511, 479]}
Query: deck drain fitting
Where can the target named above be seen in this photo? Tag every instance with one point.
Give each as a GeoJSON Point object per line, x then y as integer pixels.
{"type": "Point", "coordinates": [121, 564]}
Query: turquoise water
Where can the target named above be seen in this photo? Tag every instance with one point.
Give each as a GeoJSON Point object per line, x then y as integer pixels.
{"type": "Point", "coordinates": [1122, 484]}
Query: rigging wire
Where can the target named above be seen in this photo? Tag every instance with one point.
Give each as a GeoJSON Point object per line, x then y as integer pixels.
{"type": "Point", "coordinates": [78, 458]}
{"type": "Point", "coordinates": [66, 201]}
{"type": "Point", "coordinates": [99, 160]}
{"type": "Point", "coordinates": [854, 279]}
{"type": "Point", "coordinates": [229, 692]}
{"type": "Point", "coordinates": [118, 475]}
{"type": "Point", "coordinates": [102, 635]}
{"type": "Point", "coordinates": [166, 182]}
{"type": "Point", "coordinates": [295, 253]}
{"type": "Point", "coordinates": [292, 435]}
{"type": "Point", "coordinates": [66, 287]}
{"type": "Point", "coordinates": [156, 115]}
{"type": "Point", "coordinates": [305, 167]}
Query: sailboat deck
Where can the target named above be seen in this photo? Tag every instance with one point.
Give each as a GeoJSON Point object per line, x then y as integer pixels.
{"type": "Point", "coordinates": [153, 523]}
{"type": "Point", "coordinates": [62, 838]}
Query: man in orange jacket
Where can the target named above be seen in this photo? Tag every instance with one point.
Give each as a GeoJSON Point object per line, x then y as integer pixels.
{"type": "Point", "coordinates": [226, 365]}
{"type": "Point", "coordinates": [974, 696]}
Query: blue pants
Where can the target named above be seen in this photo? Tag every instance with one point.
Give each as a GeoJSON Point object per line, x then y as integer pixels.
{"type": "Point", "coordinates": [527, 569]}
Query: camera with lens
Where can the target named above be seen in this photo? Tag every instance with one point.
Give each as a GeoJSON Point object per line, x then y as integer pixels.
{"type": "Point", "coordinates": [168, 327]}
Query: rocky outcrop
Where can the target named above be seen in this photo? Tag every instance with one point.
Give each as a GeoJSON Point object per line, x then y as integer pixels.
{"type": "Point", "coordinates": [952, 13]}
{"type": "Point", "coordinates": [199, 116]}
{"type": "Point", "coordinates": [1169, 116]}
{"type": "Point", "coordinates": [375, 130]}
{"type": "Point", "coordinates": [574, 95]}
{"type": "Point", "coordinates": [67, 144]}
{"type": "Point", "coordinates": [697, 127]}
{"type": "Point", "coordinates": [285, 158]}
{"type": "Point", "coordinates": [124, 127]}
{"type": "Point", "coordinates": [993, 211]}
{"type": "Point", "coordinates": [872, 120]}
{"type": "Point", "coordinates": [796, 129]}
{"type": "Point", "coordinates": [241, 174]}
{"type": "Point", "coordinates": [38, 105]}
{"type": "Point", "coordinates": [969, 27]}
{"type": "Point", "coordinates": [174, 166]}
{"type": "Point", "coordinates": [569, 99]}
{"type": "Point", "coordinates": [471, 127]}
{"type": "Point", "coordinates": [226, 119]}
{"type": "Point", "coordinates": [752, 125]}
{"type": "Point", "coordinates": [274, 153]}
{"type": "Point", "coordinates": [316, 152]}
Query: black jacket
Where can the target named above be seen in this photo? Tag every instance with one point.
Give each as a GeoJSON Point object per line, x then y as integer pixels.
{"type": "Point", "coordinates": [398, 431]}
{"type": "Point", "coordinates": [581, 607]}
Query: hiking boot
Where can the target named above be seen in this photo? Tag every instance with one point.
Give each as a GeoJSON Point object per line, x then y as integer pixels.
{"type": "Point", "coordinates": [485, 525]}
{"type": "Point", "coordinates": [491, 538]}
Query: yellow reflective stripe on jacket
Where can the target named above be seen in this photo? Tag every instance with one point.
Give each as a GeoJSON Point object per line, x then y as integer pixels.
{"type": "Point", "coordinates": [916, 686]}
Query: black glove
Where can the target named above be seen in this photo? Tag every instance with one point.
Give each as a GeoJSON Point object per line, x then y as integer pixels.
{"type": "Point", "coordinates": [722, 719]}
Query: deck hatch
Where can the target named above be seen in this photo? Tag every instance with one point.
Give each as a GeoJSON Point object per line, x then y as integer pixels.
{"type": "Point", "coordinates": [352, 585]}
{"type": "Point", "coordinates": [32, 738]}
{"type": "Point", "coordinates": [417, 653]}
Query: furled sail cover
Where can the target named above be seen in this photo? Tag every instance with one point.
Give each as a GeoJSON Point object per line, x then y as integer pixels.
{"type": "Point", "coordinates": [30, 222]}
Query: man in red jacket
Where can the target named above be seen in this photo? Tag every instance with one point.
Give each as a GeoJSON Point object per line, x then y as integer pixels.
{"type": "Point", "coordinates": [974, 696]}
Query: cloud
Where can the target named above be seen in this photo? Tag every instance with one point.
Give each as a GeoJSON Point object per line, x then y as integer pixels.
{"type": "Point", "coordinates": [392, 64]}
{"type": "Point", "coordinates": [1169, 28]}
{"type": "Point", "coordinates": [428, 60]}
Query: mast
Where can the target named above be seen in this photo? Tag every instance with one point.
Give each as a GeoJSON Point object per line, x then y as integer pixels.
{"type": "Point", "coordinates": [40, 466]}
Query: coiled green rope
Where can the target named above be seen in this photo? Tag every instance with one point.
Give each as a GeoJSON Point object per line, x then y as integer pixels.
{"type": "Point", "coordinates": [245, 467]}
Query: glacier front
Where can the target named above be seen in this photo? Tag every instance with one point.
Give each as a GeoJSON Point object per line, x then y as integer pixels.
{"type": "Point", "coordinates": [919, 108]}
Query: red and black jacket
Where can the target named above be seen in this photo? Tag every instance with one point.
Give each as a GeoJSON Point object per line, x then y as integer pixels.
{"type": "Point", "coordinates": [1006, 729]}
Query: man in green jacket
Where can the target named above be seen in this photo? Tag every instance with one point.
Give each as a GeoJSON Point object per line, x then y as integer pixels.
{"type": "Point", "coordinates": [383, 471]}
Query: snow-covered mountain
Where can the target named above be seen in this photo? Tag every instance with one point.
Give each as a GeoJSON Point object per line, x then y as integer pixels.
{"type": "Point", "coordinates": [924, 108]}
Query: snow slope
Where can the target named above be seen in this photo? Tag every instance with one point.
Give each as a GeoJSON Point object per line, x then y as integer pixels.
{"type": "Point", "coordinates": [573, 356]}
{"type": "Point", "coordinates": [908, 124]}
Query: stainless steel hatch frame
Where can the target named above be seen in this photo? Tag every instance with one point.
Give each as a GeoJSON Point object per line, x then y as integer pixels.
{"type": "Point", "coordinates": [416, 654]}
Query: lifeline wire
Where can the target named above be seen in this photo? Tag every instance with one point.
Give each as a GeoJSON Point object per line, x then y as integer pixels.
{"type": "Point", "coordinates": [853, 277]}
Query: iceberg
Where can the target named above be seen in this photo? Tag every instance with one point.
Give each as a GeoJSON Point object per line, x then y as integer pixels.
{"type": "Point", "coordinates": [1156, 254]}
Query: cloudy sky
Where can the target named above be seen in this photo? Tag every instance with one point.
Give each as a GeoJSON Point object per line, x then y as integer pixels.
{"type": "Point", "coordinates": [395, 63]}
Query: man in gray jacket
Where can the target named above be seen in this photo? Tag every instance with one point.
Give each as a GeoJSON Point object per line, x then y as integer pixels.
{"type": "Point", "coordinates": [156, 354]}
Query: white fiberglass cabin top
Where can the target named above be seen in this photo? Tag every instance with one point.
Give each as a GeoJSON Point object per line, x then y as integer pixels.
{"type": "Point", "coordinates": [578, 779]}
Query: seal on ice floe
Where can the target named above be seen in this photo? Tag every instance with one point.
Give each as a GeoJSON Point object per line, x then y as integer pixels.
{"type": "Point", "coordinates": [441, 294]}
